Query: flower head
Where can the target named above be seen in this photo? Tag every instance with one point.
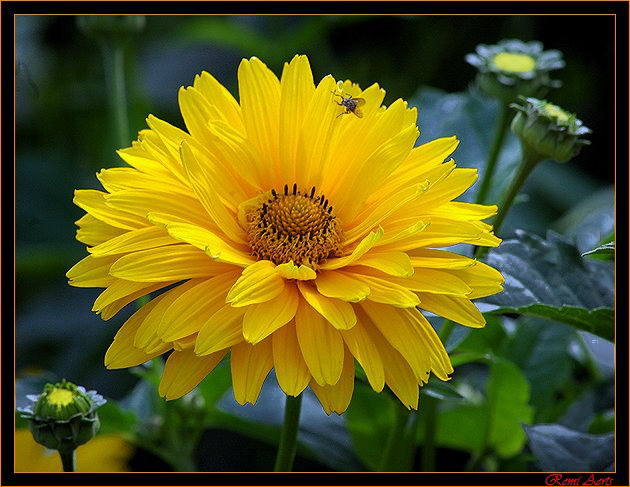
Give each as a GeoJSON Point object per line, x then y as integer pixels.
{"type": "Point", "coordinates": [512, 67]}
{"type": "Point", "coordinates": [548, 130]}
{"type": "Point", "coordinates": [290, 232]}
{"type": "Point", "coordinates": [63, 415]}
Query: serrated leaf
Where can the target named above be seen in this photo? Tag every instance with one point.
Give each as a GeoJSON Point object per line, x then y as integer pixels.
{"type": "Point", "coordinates": [559, 449]}
{"type": "Point", "coordinates": [603, 252]}
{"type": "Point", "coordinates": [549, 278]}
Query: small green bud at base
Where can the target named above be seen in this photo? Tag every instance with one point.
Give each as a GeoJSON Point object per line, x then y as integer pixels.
{"type": "Point", "coordinates": [64, 416]}
{"type": "Point", "coordinates": [547, 130]}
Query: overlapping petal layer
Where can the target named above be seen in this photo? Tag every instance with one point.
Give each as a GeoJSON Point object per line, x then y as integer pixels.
{"type": "Point", "coordinates": [177, 223]}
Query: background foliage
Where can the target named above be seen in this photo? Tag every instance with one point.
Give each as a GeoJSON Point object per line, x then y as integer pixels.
{"type": "Point", "coordinates": [522, 384]}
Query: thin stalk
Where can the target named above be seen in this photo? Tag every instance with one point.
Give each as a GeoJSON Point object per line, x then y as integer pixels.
{"type": "Point", "coordinates": [68, 459]}
{"type": "Point", "coordinates": [503, 122]}
{"type": "Point", "coordinates": [430, 432]}
{"type": "Point", "coordinates": [528, 163]}
{"type": "Point", "coordinates": [395, 434]}
{"type": "Point", "coordinates": [288, 437]}
{"type": "Point", "coordinates": [114, 59]}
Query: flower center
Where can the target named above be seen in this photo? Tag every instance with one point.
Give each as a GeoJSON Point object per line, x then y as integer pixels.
{"type": "Point", "coordinates": [60, 397]}
{"type": "Point", "coordinates": [294, 225]}
{"type": "Point", "coordinates": [556, 112]}
{"type": "Point", "coordinates": [515, 63]}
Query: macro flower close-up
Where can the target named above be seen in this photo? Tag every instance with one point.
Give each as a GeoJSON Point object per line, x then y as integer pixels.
{"type": "Point", "coordinates": [292, 229]}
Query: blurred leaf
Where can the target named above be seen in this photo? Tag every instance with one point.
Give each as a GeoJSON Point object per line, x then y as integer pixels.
{"type": "Point", "coordinates": [603, 423]}
{"type": "Point", "coordinates": [115, 419]}
{"type": "Point", "coordinates": [370, 417]}
{"type": "Point", "coordinates": [508, 398]}
{"type": "Point", "coordinates": [485, 340]}
{"type": "Point", "coordinates": [440, 390]}
{"type": "Point", "coordinates": [216, 384]}
{"type": "Point", "coordinates": [468, 357]}
{"type": "Point", "coordinates": [603, 252]}
{"type": "Point", "coordinates": [549, 279]}
{"type": "Point", "coordinates": [462, 427]}
{"type": "Point", "coordinates": [559, 449]}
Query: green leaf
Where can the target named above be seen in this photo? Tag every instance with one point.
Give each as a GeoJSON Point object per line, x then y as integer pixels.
{"type": "Point", "coordinates": [369, 418]}
{"type": "Point", "coordinates": [559, 449]}
{"type": "Point", "coordinates": [549, 278]}
{"type": "Point", "coordinates": [115, 419]}
{"type": "Point", "coordinates": [508, 397]}
{"type": "Point", "coordinates": [603, 252]}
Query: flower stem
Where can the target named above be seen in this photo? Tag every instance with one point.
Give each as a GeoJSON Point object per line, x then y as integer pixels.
{"type": "Point", "coordinates": [503, 122]}
{"type": "Point", "coordinates": [68, 459]}
{"type": "Point", "coordinates": [288, 437]}
{"type": "Point", "coordinates": [528, 163]}
{"type": "Point", "coordinates": [393, 440]}
{"type": "Point", "coordinates": [114, 58]}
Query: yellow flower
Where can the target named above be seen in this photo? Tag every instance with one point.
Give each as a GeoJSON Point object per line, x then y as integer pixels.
{"type": "Point", "coordinates": [291, 232]}
{"type": "Point", "coordinates": [105, 453]}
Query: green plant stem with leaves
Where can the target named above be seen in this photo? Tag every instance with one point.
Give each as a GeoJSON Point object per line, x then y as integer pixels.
{"type": "Point", "coordinates": [288, 436]}
{"type": "Point", "coordinates": [502, 125]}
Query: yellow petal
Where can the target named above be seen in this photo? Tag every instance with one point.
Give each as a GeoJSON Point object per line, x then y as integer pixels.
{"type": "Point", "coordinates": [184, 370]}
{"type": "Point", "coordinates": [364, 349]}
{"type": "Point", "coordinates": [261, 320]}
{"type": "Point", "coordinates": [393, 263]}
{"type": "Point", "coordinates": [222, 330]}
{"type": "Point", "coordinates": [338, 313]}
{"type": "Point", "coordinates": [337, 285]}
{"type": "Point", "coordinates": [483, 279]}
{"type": "Point", "coordinates": [291, 369]}
{"type": "Point", "coordinates": [250, 365]}
{"type": "Point", "coordinates": [91, 272]}
{"type": "Point", "coordinates": [291, 271]}
{"type": "Point", "coordinates": [296, 91]}
{"type": "Point", "coordinates": [385, 291]}
{"type": "Point", "coordinates": [122, 353]}
{"type": "Point", "coordinates": [366, 244]}
{"type": "Point", "coordinates": [258, 283]}
{"type": "Point", "coordinates": [464, 211]}
{"type": "Point", "coordinates": [221, 99]}
{"type": "Point", "coordinates": [436, 282]}
{"type": "Point", "coordinates": [211, 244]}
{"type": "Point", "coordinates": [321, 345]}
{"type": "Point", "coordinates": [439, 259]}
{"type": "Point", "coordinates": [124, 178]}
{"type": "Point", "coordinates": [171, 263]}
{"type": "Point", "coordinates": [336, 398]}
{"type": "Point", "coordinates": [94, 232]}
{"type": "Point", "coordinates": [187, 314]}
{"type": "Point", "coordinates": [259, 93]}
{"type": "Point", "coordinates": [457, 309]}
{"type": "Point", "coordinates": [205, 187]}
{"type": "Point", "coordinates": [140, 239]}
{"type": "Point", "coordinates": [93, 202]}
{"type": "Point", "coordinates": [121, 289]}
{"type": "Point", "coordinates": [109, 311]}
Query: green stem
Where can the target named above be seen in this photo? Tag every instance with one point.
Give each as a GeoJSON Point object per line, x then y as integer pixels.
{"type": "Point", "coordinates": [114, 58]}
{"type": "Point", "coordinates": [395, 434]}
{"type": "Point", "coordinates": [68, 459]}
{"type": "Point", "coordinates": [288, 437]}
{"type": "Point", "coordinates": [528, 163]}
{"type": "Point", "coordinates": [430, 432]}
{"type": "Point", "coordinates": [503, 122]}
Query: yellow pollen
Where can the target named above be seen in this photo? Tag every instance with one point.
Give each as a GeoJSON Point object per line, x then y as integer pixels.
{"type": "Point", "coordinates": [555, 111]}
{"type": "Point", "coordinates": [515, 63]}
{"type": "Point", "coordinates": [60, 397]}
{"type": "Point", "coordinates": [294, 225]}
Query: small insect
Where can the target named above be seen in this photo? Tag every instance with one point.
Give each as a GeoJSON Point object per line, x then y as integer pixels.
{"type": "Point", "coordinates": [352, 105]}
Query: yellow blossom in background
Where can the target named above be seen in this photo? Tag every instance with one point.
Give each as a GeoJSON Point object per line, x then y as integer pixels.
{"type": "Point", "coordinates": [105, 453]}
{"type": "Point", "coordinates": [291, 233]}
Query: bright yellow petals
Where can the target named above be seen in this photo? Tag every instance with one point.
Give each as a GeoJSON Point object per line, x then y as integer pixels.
{"type": "Point", "coordinates": [184, 370]}
{"type": "Point", "coordinates": [222, 330]}
{"type": "Point", "coordinates": [336, 398]}
{"type": "Point", "coordinates": [454, 308]}
{"type": "Point", "coordinates": [291, 369]}
{"type": "Point", "coordinates": [291, 271]}
{"type": "Point", "coordinates": [261, 320]}
{"type": "Point", "coordinates": [259, 282]}
{"type": "Point", "coordinates": [338, 313]}
{"type": "Point", "coordinates": [171, 263]}
{"type": "Point", "coordinates": [340, 286]}
{"type": "Point", "coordinates": [321, 345]}
{"type": "Point", "coordinates": [288, 231]}
{"type": "Point", "coordinates": [250, 366]}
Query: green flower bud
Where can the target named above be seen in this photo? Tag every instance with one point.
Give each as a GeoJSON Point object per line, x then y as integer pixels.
{"type": "Point", "coordinates": [512, 67]}
{"type": "Point", "coordinates": [63, 416]}
{"type": "Point", "coordinates": [547, 130]}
